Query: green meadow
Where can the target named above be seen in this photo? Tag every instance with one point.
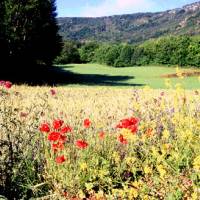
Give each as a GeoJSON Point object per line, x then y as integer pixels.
{"type": "Point", "coordinates": [141, 76]}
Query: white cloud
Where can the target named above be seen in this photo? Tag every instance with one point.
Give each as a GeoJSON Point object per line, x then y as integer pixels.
{"type": "Point", "coordinates": [113, 7]}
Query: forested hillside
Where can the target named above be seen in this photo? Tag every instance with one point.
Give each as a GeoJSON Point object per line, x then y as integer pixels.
{"type": "Point", "coordinates": [133, 28]}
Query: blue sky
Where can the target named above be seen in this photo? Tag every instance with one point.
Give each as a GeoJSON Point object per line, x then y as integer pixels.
{"type": "Point", "coordinates": [97, 8]}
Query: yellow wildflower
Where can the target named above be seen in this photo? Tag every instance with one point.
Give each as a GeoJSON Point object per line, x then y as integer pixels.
{"type": "Point", "coordinates": [132, 193]}
{"type": "Point", "coordinates": [83, 166]}
{"type": "Point", "coordinates": [165, 148]}
{"type": "Point", "coordinates": [116, 157]}
{"type": "Point", "coordinates": [118, 192]}
{"type": "Point", "coordinates": [103, 173]}
{"type": "Point", "coordinates": [137, 184]}
{"type": "Point", "coordinates": [165, 134]}
{"type": "Point", "coordinates": [168, 83]}
{"type": "Point", "coordinates": [154, 152]}
{"type": "Point", "coordinates": [194, 196]}
{"type": "Point", "coordinates": [147, 170]}
{"type": "Point", "coordinates": [81, 194]}
{"type": "Point", "coordinates": [130, 160]}
{"type": "Point", "coordinates": [146, 197]}
{"type": "Point", "coordinates": [89, 186]}
{"type": "Point", "coordinates": [188, 135]}
{"type": "Point", "coordinates": [128, 134]}
{"type": "Point", "coordinates": [161, 170]}
{"type": "Point", "coordinates": [196, 163]}
{"type": "Point", "coordinates": [178, 87]}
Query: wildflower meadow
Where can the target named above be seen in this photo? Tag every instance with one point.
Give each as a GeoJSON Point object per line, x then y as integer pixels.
{"type": "Point", "coordinates": [99, 143]}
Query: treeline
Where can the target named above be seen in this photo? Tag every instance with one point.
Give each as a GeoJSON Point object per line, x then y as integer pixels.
{"type": "Point", "coordinates": [170, 50]}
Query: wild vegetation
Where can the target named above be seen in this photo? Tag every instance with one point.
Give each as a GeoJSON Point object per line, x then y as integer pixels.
{"type": "Point", "coordinates": [64, 143]}
{"type": "Point", "coordinates": [95, 142]}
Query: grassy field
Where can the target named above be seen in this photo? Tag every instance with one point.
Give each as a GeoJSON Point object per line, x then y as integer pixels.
{"type": "Point", "coordinates": [100, 75]}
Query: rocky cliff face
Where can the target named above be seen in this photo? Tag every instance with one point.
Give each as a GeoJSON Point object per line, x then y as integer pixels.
{"type": "Point", "coordinates": [133, 28]}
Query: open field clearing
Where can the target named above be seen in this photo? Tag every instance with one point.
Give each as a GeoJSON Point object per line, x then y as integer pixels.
{"type": "Point", "coordinates": [99, 143]}
{"type": "Point", "coordinates": [153, 76]}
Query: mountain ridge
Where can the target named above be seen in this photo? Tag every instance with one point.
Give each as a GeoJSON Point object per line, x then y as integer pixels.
{"type": "Point", "coordinates": [132, 28]}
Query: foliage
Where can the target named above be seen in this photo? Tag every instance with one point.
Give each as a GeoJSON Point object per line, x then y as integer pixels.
{"type": "Point", "coordinates": [180, 54]}
{"type": "Point", "coordinates": [193, 56]}
{"type": "Point", "coordinates": [124, 59]}
{"type": "Point", "coordinates": [69, 53]}
{"type": "Point", "coordinates": [3, 45]}
{"type": "Point", "coordinates": [87, 51]}
{"type": "Point", "coordinates": [170, 50]}
{"type": "Point", "coordinates": [139, 58]}
{"type": "Point", "coordinates": [100, 53]}
{"type": "Point", "coordinates": [30, 31]}
{"type": "Point", "coordinates": [112, 54]}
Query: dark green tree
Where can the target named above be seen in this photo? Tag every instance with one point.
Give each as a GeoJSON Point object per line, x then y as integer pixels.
{"type": "Point", "coordinates": [112, 55]}
{"type": "Point", "coordinates": [193, 56]}
{"type": "Point", "coordinates": [124, 59]}
{"type": "Point", "coordinates": [47, 42]}
{"type": "Point", "coordinates": [140, 56]}
{"type": "Point", "coordinates": [100, 53]}
{"type": "Point", "coordinates": [3, 43]}
{"type": "Point", "coordinates": [181, 52]}
{"type": "Point", "coordinates": [31, 31]}
{"type": "Point", "coordinates": [164, 50]}
{"type": "Point", "coordinates": [69, 53]}
{"type": "Point", "coordinates": [87, 51]}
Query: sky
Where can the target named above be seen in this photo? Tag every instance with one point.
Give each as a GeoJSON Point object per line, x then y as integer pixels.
{"type": "Point", "coordinates": [98, 8]}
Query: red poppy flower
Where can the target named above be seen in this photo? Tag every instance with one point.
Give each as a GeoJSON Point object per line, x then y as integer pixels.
{"type": "Point", "coordinates": [81, 144]}
{"type": "Point", "coordinates": [60, 159]}
{"type": "Point", "coordinates": [125, 123]}
{"type": "Point", "coordinates": [53, 92]}
{"type": "Point", "coordinates": [58, 146]}
{"type": "Point", "coordinates": [66, 129]}
{"type": "Point", "coordinates": [133, 128]}
{"type": "Point", "coordinates": [122, 139]}
{"type": "Point", "coordinates": [87, 123]}
{"type": "Point", "coordinates": [129, 123]}
{"type": "Point", "coordinates": [44, 127]}
{"type": "Point", "coordinates": [65, 194]}
{"type": "Point", "coordinates": [63, 138]}
{"type": "Point", "coordinates": [8, 84]}
{"type": "Point", "coordinates": [57, 123]}
{"type": "Point", "coordinates": [2, 83]}
{"type": "Point", "coordinates": [101, 135]}
{"type": "Point", "coordinates": [54, 136]}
